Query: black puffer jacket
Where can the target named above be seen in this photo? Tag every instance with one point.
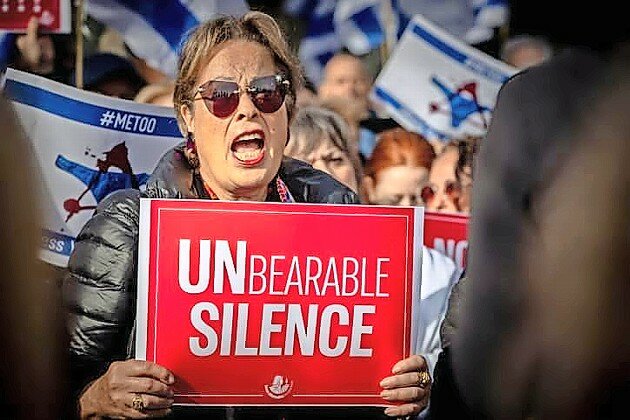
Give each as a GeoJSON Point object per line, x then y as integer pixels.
{"type": "Point", "coordinates": [100, 289]}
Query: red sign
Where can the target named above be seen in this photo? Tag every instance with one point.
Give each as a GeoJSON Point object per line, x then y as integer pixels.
{"type": "Point", "coordinates": [54, 15]}
{"type": "Point", "coordinates": [277, 304]}
{"type": "Point", "coordinates": [447, 233]}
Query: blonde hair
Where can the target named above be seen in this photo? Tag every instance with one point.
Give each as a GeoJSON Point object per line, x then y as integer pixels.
{"type": "Point", "coordinates": [202, 44]}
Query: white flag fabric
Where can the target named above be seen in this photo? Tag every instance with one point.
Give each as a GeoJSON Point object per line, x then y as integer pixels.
{"type": "Point", "coordinates": [488, 14]}
{"type": "Point", "coordinates": [439, 86]}
{"type": "Point", "coordinates": [154, 31]}
{"type": "Point", "coordinates": [363, 25]}
{"type": "Point", "coordinates": [87, 146]}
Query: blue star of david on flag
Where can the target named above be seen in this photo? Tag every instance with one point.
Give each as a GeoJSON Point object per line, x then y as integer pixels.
{"type": "Point", "coordinates": [462, 102]}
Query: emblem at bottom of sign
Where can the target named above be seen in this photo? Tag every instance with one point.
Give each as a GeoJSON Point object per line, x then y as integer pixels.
{"type": "Point", "coordinates": [279, 388]}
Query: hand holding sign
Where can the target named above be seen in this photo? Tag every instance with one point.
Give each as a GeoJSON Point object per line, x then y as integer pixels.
{"type": "Point", "coordinates": [407, 386]}
{"type": "Point", "coordinates": [316, 318]}
{"type": "Point", "coordinates": [113, 394]}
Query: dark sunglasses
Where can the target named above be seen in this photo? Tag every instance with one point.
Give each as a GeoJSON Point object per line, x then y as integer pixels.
{"type": "Point", "coordinates": [451, 188]}
{"type": "Point", "coordinates": [222, 97]}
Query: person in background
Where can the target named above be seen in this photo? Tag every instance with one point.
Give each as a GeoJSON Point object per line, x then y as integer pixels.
{"type": "Point", "coordinates": [450, 182]}
{"type": "Point", "coordinates": [464, 171]}
{"type": "Point", "coordinates": [50, 56]}
{"type": "Point", "coordinates": [110, 75]}
{"type": "Point", "coordinates": [441, 190]}
{"type": "Point", "coordinates": [395, 174]}
{"type": "Point", "coordinates": [321, 137]}
{"type": "Point", "coordinates": [36, 53]}
{"type": "Point", "coordinates": [307, 95]}
{"type": "Point", "coordinates": [523, 51]}
{"type": "Point", "coordinates": [346, 77]}
{"type": "Point", "coordinates": [157, 94]}
{"type": "Point", "coordinates": [438, 145]}
{"type": "Point", "coordinates": [32, 351]}
{"type": "Point", "coordinates": [234, 99]}
{"type": "Point", "coordinates": [398, 168]}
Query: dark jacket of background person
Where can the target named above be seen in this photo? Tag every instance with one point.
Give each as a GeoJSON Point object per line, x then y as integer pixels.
{"type": "Point", "coordinates": [451, 321]}
{"type": "Point", "coordinates": [32, 363]}
{"type": "Point", "coordinates": [100, 289]}
{"type": "Point", "coordinates": [534, 127]}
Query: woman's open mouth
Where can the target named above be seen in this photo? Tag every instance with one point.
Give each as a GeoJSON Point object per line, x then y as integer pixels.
{"type": "Point", "coordinates": [249, 148]}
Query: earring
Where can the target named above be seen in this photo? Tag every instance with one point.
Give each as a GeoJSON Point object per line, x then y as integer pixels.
{"type": "Point", "coordinates": [190, 143]}
{"type": "Point", "coordinates": [191, 151]}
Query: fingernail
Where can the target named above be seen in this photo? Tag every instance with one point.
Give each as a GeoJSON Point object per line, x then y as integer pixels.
{"type": "Point", "coordinates": [389, 411]}
{"type": "Point", "coordinates": [170, 379]}
{"type": "Point", "coordinates": [385, 395]}
{"type": "Point", "coordinates": [384, 383]}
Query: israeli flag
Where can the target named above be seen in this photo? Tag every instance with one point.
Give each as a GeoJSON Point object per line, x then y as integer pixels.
{"type": "Point", "coordinates": [154, 31]}
{"type": "Point", "coordinates": [86, 146]}
{"type": "Point", "coordinates": [488, 14]}
{"type": "Point", "coordinates": [364, 25]}
{"type": "Point", "coordinates": [437, 85]}
{"type": "Point", "coordinates": [358, 25]}
{"type": "Point", "coordinates": [321, 41]}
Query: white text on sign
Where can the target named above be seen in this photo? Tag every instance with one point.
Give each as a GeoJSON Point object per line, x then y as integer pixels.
{"type": "Point", "coordinates": [280, 275]}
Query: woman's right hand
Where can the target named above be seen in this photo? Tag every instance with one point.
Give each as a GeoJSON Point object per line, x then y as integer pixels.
{"type": "Point", "coordinates": [112, 395]}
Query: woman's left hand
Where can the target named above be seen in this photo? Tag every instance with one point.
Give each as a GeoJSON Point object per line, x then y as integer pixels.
{"type": "Point", "coordinates": [406, 386]}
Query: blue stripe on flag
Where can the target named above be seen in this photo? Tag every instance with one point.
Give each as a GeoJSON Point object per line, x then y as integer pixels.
{"type": "Point", "coordinates": [368, 22]}
{"type": "Point", "coordinates": [57, 242]}
{"type": "Point", "coordinates": [403, 19]}
{"type": "Point", "coordinates": [473, 64]}
{"type": "Point", "coordinates": [170, 18]}
{"type": "Point", "coordinates": [113, 119]}
{"type": "Point", "coordinates": [7, 40]}
{"type": "Point", "coordinates": [320, 25]}
{"type": "Point", "coordinates": [423, 127]}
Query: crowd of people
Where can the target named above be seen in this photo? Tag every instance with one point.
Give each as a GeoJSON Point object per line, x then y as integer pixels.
{"type": "Point", "coordinates": [254, 130]}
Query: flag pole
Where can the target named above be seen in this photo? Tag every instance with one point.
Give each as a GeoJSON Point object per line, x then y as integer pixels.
{"type": "Point", "coordinates": [79, 43]}
{"type": "Point", "coordinates": [388, 18]}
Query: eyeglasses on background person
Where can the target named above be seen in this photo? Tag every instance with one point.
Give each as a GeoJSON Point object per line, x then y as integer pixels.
{"type": "Point", "coordinates": [452, 190]}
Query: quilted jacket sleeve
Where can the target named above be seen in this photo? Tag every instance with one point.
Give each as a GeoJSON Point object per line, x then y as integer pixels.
{"type": "Point", "coordinates": [99, 289]}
